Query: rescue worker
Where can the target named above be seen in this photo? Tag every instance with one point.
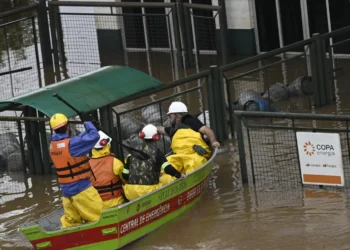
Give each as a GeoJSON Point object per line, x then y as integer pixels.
{"type": "Point", "coordinates": [189, 148]}
{"type": "Point", "coordinates": [108, 171]}
{"type": "Point", "coordinates": [142, 177]}
{"type": "Point", "coordinates": [80, 199]}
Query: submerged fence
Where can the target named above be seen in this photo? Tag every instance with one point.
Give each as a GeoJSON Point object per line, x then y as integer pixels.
{"type": "Point", "coordinates": [268, 147]}
{"type": "Point", "coordinates": [165, 40]}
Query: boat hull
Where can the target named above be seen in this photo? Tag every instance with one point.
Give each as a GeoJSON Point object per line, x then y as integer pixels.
{"type": "Point", "coordinates": [121, 225]}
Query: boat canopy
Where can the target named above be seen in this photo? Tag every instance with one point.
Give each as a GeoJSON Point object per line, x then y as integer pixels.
{"type": "Point", "coordinates": [86, 92]}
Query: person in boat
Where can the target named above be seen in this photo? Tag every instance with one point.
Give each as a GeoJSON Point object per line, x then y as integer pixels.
{"type": "Point", "coordinates": [190, 151]}
{"type": "Point", "coordinates": [108, 172]}
{"type": "Point", "coordinates": [142, 177]}
{"type": "Point", "coordinates": [80, 199]}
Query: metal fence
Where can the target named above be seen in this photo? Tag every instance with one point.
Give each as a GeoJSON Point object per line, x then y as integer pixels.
{"type": "Point", "coordinates": [20, 56]}
{"type": "Point", "coordinates": [130, 121]}
{"type": "Point", "coordinates": [204, 31]}
{"type": "Point", "coordinates": [268, 148]}
{"type": "Point", "coordinates": [13, 143]}
{"type": "Point", "coordinates": [21, 71]}
{"type": "Point", "coordinates": [283, 80]}
{"type": "Point", "coordinates": [145, 36]}
{"type": "Point", "coordinates": [301, 77]}
{"type": "Point", "coordinates": [337, 53]}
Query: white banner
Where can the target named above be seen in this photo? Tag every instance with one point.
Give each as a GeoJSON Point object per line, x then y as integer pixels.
{"type": "Point", "coordinates": [320, 158]}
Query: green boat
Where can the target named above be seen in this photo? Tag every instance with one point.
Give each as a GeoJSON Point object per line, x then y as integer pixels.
{"type": "Point", "coordinates": [126, 223]}
{"type": "Point", "coordinates": [117, 227]}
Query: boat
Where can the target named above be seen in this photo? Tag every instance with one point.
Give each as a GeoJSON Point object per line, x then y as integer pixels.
{"type": "Point", "coordinates": [101, 90]}
{"type": "Point", "coordinates": [125, 223]}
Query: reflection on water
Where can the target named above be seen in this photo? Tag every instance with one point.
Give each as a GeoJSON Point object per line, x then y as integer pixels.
{"type": "Point", "coordinates": [229, 216]}
{"type": "Point", "coordinates": [24, 198]}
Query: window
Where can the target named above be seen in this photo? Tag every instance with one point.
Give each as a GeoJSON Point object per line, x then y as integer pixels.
{"type": "Point", "coordinates": [267, 24]}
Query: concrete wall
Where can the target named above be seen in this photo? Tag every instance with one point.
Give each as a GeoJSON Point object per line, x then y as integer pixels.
{"type": "Point", "coordinates": [240, 22]}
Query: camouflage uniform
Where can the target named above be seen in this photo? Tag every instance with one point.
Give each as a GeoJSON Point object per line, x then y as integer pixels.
{"type": "Point", "coordinates": [144, 172]}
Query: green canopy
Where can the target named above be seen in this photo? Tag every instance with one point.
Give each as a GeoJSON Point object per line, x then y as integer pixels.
{"type": "Point", "coordinates": [87, 92]}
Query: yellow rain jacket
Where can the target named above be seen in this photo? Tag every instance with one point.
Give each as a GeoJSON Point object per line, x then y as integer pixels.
{"type": "Point", "coordinates": [185, 159]}
{"type": "Point", "coordinates": [117, 169]}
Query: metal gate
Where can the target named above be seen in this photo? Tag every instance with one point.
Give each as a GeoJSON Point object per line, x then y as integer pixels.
{"type": "Point", "coordinates": [20, 60]}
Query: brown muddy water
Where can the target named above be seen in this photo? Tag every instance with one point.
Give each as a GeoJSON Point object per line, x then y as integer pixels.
{"type": "Point", "coordinates": [229, 216]}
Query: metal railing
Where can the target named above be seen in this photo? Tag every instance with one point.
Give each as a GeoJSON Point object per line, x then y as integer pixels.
{"type": "Point", "coordinates": [336, 48]}
{"type": "Point", "coordinates": [268, 147]}
{"type": "Point", "coordinates": [277, 77]}
{"type": "Point", "coordinates": [130, 122]}
{"type": "Point", "coordinates": [297, 78]}
{"type": "Point", "coordinates": [144, 35]}
{"type": "Point", "coordinates": [20, 61]}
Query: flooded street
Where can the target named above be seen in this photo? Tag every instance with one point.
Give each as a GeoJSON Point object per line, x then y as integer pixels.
{"type": "Point", "coordinates": [229, 216]}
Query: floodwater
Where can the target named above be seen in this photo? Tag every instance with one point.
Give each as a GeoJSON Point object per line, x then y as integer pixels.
{"type": "Point", "coordinates": [229, 216]}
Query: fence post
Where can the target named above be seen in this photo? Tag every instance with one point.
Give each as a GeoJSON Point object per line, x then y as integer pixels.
{"type": "Point", "coordinates": [21, 143]}
{"type": "Point", "coordinates": [106, 119]}
{"type": "Point", "coordinates": [45, 43]}
{"type": "Point", "coordinates": [44, 146]}
{"type": "Point", "coordinates": [28, 139]}
{"type": "Point", "coordinates": [217, 105]}
{"type": "Point", "coordinates": [223, 33]}
{"type": "Point", "coordinates": [177, 35]}
{"type": "Point", "coordinates": [36, 143]}
{"type": "Point", "coordinates": [241, 150]}
{"type": "Point", "coordinates": [119, 137]}
{"type": "Point", "coordinates": [53, 19]}
{"type": "Point", "coordinates": [187, 35]}
{"type": "Point", "coordinates": [319, 71]}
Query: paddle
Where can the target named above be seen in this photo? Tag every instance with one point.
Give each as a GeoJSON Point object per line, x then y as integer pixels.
{"type": "Point", "coordinates": [137, 153]}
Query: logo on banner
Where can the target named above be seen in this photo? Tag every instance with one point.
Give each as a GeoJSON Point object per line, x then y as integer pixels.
{"type": "Point", "coordinates": [309, 148]}
{"type": "Point", "coordinates": [320, 158]}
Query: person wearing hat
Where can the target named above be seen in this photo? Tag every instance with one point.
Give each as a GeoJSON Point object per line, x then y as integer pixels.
{"type": "Point", "coordinates": [187, 143]}
{"type": "Point", "coordinates": [108, 172]}
{"type": "Point", "coordinates": [81, 201]}
{"type": "Point", "coordinates": [142, 177]}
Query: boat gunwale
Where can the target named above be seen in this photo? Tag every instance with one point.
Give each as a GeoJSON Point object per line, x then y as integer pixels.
{"type": "Point", "coordinates": [170, 183]}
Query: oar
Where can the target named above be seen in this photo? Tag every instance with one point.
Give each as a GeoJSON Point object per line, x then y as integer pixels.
{"type": "Point", "coordinates": [137, 153]}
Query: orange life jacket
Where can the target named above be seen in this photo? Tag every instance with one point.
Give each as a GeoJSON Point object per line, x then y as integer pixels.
{"type": "Point", "coordinates": [107, 184]}
{"type": "Point", "coordinates": [69, 169]}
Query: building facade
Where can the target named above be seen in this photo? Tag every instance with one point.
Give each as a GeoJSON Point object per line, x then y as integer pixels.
{"type": "Point", "coordinates": [253, 26]}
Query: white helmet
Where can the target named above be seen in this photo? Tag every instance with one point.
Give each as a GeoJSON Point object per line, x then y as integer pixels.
{"type": "Point", "coordinates": [149, 132]}
{"type": "Point", "coordinates": [177, 107]}
{"type": "Point", "coordinates": [103, 141]}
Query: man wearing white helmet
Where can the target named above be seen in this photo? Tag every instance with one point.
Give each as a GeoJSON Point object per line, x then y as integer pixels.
{"type": "Point", "coordinates": [142, 176]}
{"type": "Point", "coordinates": [107, 172]}
{"type": "Point", "coordinates": [178, 113]}
{"type": "Point", "coordinates": [186, 132]}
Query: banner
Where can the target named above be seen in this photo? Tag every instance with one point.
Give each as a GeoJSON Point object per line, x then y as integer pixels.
{"type": "Point", "coordinates": [320, 158]}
